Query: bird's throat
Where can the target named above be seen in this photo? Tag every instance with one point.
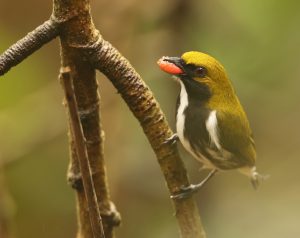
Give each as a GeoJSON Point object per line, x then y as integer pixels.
{"type": "Point", "coordinates": [196, 91]}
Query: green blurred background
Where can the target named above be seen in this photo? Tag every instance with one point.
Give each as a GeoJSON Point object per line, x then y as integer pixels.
{"type": "Point", "coordinates": [258, 43]}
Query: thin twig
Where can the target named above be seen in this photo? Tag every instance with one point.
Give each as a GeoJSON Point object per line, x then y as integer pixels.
{"type": "Point", "coordinates": [88, 185]}
{"type": "Point", "coordinates": [146, 109]}
{"type": "Point", "coordinates": [80, 30]}
{"type": "Point", "coordinates": [28, 45]}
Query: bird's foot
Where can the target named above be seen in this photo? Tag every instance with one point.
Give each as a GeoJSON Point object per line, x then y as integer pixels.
{"type": "Point", "coordinates": [257, 179]}
{"type": "Point", "coordinates": [186, 192]}
{"type": "Point", "coordinates": [172, 139]}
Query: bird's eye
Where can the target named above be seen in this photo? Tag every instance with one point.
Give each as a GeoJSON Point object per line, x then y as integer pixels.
{"type": "Point", "coordinates": [200, 72]}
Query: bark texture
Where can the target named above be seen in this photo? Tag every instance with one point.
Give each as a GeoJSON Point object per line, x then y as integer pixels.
{"type": "Point", "coordinates": [27, 45]}
{"type": "Point", "coordinates": [81, 152]}
{"type": "Point", "coordinates": [75, 33]}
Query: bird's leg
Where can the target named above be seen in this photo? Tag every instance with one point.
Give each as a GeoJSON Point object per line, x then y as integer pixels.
{"type": "Point", "coordinates": [172, 139]}
{"type": "Point", "coordinates": [185, 192]}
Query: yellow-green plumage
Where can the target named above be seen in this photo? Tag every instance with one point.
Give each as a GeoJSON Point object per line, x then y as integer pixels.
{"type": "Point", "coordinates": [210, 121]}
{"type": "Point", "coordinates": [223, 94]}
{"type": "Point", "coordinates": [232, 120]}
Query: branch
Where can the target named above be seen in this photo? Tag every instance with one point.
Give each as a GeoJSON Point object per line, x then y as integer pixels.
{"type": "Point", "coordinates": [79, 30]}
{"type": "Point", "coordinates": [146, 109]}
{"type": "Point", "coordinates": [90, 194]}
{"type": "Point", "coordinates": [28, 45]}
{"type": "Point", "coordinates": [78, 36]}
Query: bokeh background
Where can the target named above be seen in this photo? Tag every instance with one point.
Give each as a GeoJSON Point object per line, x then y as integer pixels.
{"type": "Point", "coordinates": [258, 43]}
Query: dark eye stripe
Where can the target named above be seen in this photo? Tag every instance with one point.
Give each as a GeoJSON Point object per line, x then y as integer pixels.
{"type": "Point", "coordinates": [200, 72]}
{"type": "Point", "coordinates": [195, 71]}
{"type": "Point", "coordinates": [190, 68]}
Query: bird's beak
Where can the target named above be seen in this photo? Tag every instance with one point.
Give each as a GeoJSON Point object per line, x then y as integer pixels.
{"type": "Point", "coordinates": [171, 65]}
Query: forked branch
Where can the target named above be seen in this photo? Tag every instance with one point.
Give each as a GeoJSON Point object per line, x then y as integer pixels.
{"type": "Point", "coordinates": [83, 50]}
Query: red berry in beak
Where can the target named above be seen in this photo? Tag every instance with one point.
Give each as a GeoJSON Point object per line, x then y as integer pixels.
{"type": "Point", "coordinates": [168, 67]}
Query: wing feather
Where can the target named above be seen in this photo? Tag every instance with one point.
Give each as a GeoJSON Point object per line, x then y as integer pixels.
{"type": "Point", "coordinates": [236, 137]}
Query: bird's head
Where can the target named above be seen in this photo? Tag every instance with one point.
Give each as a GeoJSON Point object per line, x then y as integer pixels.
{"type": "Point", "coordinates": [198, 72]}
{"type": "Point", "coordinates": [194, 65]}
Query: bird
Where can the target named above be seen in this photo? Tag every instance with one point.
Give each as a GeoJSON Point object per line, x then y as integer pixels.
{"type": "Point", "coordinates": [211, 123]}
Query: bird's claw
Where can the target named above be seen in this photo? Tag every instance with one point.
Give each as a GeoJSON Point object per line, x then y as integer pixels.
{"type": "Point", "coordinates": [171, 140]}
{"type": "Point", "coordinates": [185, 192]}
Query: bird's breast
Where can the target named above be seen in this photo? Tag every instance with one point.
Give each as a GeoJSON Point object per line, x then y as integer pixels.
{"type": "Point", "coordinates": [190, 125]}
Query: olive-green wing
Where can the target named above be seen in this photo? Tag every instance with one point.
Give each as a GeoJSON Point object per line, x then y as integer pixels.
{"type": "Point", "coordinates": [235, 136]}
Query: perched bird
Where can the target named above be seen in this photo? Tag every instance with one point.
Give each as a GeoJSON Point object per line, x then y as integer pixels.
{"type": "Point", "coordinates": [210, 121]}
